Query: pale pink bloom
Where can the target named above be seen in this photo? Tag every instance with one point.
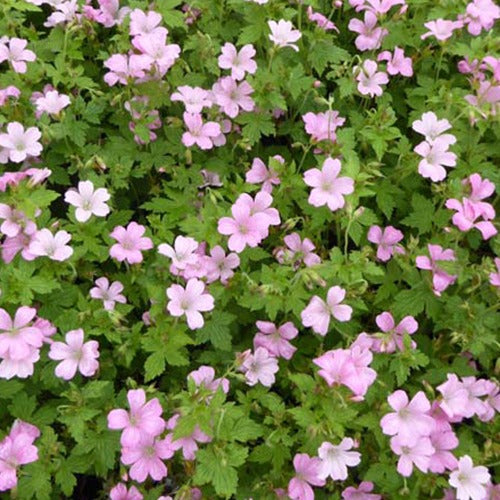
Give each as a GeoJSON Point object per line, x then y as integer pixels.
{"type": "Point", "coordinates": [14, 50]}
{"type": "Point", "coordinates": [21, 143]}
{"type": "Point", "coordinates": [261, 204]}
{"type": "Point", "coordinates": [441, 280]}
{"type": "Point", "coordinates": [370, 35]}
{"type": "Point", "coordinates": [199, 133]}
{"type": "Point", "coordinates": [161, 55]}
{"type": "Point", "coordinates": [194, 98]}
{"type": "Point", "coordinates": [336, 458]}
{"type": "Point", "coordinates": [322, 126]}
{"type": "Point", "coordinates": [21, 368]}
{"type": "Point", "coordinates": [481, 15]}
{"type": "Point", "coordinates": [495, 277]}
{"type": "Point", "coordinates": [108, 14]}
{"type": "Point", "coordinates": [298, 251]}
{"type": "Point", "coordinates": [182, 254]}
{"type": "Point", "coordinates": [188, 444]}
{"type": "Point", "coordinates": [120, 492]}
{"type": "Point", "coordinates": [51, 102]}
{"type": "Point", "coordinates": [369, 79]}
{"type": "Point", "coordinates": [394, 339]}
{"type": "Point", "coordinates": [469, 481]}
{"type": "Point", "coordinates": [9, 91]}
{"type": "Point", "coordinates": [455, 396]}
{"type": "Point", "coordinates": [219, 266]}
{"type": "Point", "coordinates": [66, 12]}
{"type": "Point", "coordinates": [238, 62]}
{"type": "Point", "coordinates": [141, 423]}
{"type": "Point", "coordinates": [46, 328]}
{"type": "Point", "coordinates": [19, 243]}
{"type": "Point", "coordinates": [54, 247]}
{"type": "Point", "coordinates": [88, 201]}
{"type": "Point", "coordinates": [387, 241]}
{"type": "Point", "coordinates": [491, 404]}
{"type": "Point", "coordinates": [145, 23]}
{"type": "Point", "coordinates": [131, 243]}
{"type": "Point", "coordinates": [318, 312]}
{"type": "Point", "coordinates": [283, 34]}
{"type": "Point", "coordinates": [397, 63]}
{"type": "Point", "coordinates": [418, 453]}
{"type": "Point", "coordinates": [434, 157]}
{"type": "Point", "coordinates": [328, 188]}
{"type": "Point", "coordinates": [443, 459]}
{"type": "Point", "coordinates": [306, 474]}
{"type": "Point", "coordinates": [260, 366]}
{"type": "Point", "coordinates": [362, 492]}
{"type": "Point", "coordinates": [204, 377]}
{"type": "Point", "coordinates": [190, 301]}
{"type": "Point", "coordinates": [466, 215]}
{"type": "Point", "coordinates": [377, 6]}
{"type": "Point", "coordinates": [14, 220]}
{"type": "Point", "coordinates": [109, 294]}
{"type": "Point", "coordinates": [231, 96]}
{"type": "Point", "coordinates": [124, 68]}
{"type": "Point", "coordinates": [480, 189]}
{"type": "Point", "coordinates": [433, 129]}
{"type": "Point", "coordinates": [322, 21]}
{"type": "Point", "coordinates": [75, 355]}
{"type": "Point", "coordinates": [260, 174]}
{"type": "Point", "coordinates": [475, 389]}
{"type": "Point", "coordinates": [442, 29]}
{"type": "Point", "coordinates": [275, 340]}
{"type": "Point", "coordinates": [18, 337]}
{"type": "Point", "coordinates": [146, 459]}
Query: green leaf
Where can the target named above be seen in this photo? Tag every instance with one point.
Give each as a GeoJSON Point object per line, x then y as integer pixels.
{"type": "Point", "coordinates": [65, 479]}
{"type": "Point", "coordinates": [154, 366]}
{"type": "Point", "coordinates": [217, 330]}
{"type": "Point", "coordinates": [255, 125]}
{"type": "Point", "coordinates": [422, 215]}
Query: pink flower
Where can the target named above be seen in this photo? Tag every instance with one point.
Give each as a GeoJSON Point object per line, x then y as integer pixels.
{"type": "Point", "coordinates": [306, 474]}
{"type": "Point", "coordinates": [480, 189]}
{"type": "Point", "coordinates": [336, 458]}
{"type": "Point", "coordinates": [190, 301]}
{"type": "Point", "coordinates": [231, 96]}
{"type": "Point", "coordinates": [194, 98]}
{"type": "Point", "coordinates": [188, 444]}
{"type": "Point", "coordinates": [260, 174]}
{"type": "Point", "coordinates": [322, 126]}
{"type": "Point", "coordinates": [362, 492]}
{"type": "Point", "coordinates": [109, 294]}
{"type": "Point", "coordinates": [455, 396]}
{"type": "Point", "coordinates": [329, 189]}
{"type": "Point", "coordinates": [418, 453]}
{"type": "Point", "coordinates": [275, 340]}
{"type": "Point", "coordinates": [51, 102]}
{"type": "Point", "coordinates": [108, 14]}
{"type": "Point", "coordinates": [154, 48]}
{"type": "Point", "coordinates": [475, 389]}
{"type": "Point", "coordinates": [21, 242]}
{"type": "Point", "coordinates": [123, 68]}
{"type": "Point", "coordinates": [434, 156]}
{"type": "Point", "coordinates": [120, 492]}
{"type": "Point", "coordinates": [491, 404]}
{"type": "Point", "coordinates": [54, 247]}
{"type": "Point", "coordinates": [409, 421]}
{"type": "Point", "coordinates": [21, 368]}
{"type": "Point", "coordinates": [318, 312]}
{"type": "Point", "coordinates": [238, 62]}
{"type": "Point", "coordinates": [337, 367]}
{"type": "Point", "coordinates": [21, 143]}
{"type": "Point", "coordinates": [261, 203]}
{"type": "Point", "coordinates": [369, 80]}
{"type": "Point", "coordinates": [14, 50]}
{"type": "Point", "coordinates": [145, 23]}
{"type": "Point", "coordinates": [370, 35]}
{"type": "Point", "coordinates": [298, 251]}
{"type": "Point", "coordinates": [260, 367]}
{"type": "Point", "coordinates": [441, 280]}
{"type": "Point", "coordinates": [432, 129]}
{"type": "Point", "coordinates": [146, 459]}
{"type": "Point", "coordinates": [397, 63]}
{"type": "Point", "coordinates": [387, 241]}
{"type": "Point", "coordinates": [18, 337]}
{"type": "Point", "coordinates": [9, 91]}
{"type": "Point", "coordinates": [142, 423]}
{"type": "Point", "coordinates": [469, 481]}
{"type": "Point", "coordinates": [466, 215]}
{"type": "Point", "coordinates": [182, 254]}
{"type": "Point", "coordinates": [75, 355]}
{"type": "Point", "coordinates": [283, 34]}
{"type": "Point", "coordinates": [481, 14]}
{"type": "Point", "coordinates": [130, 244]}
{"type": "Point", "coordinates": [199, 133]}
{"type": "Point", "coordinates": [14, 221]}
{"type": "Point", "coordinates": [88, 201]}
{"type": "Point", "coordinates": [442, 458]}
{"type": "Point", "coordinates": [495, 277]}
{"type": "Point", "coordinates": [388, 343]}
{"type": "Point", "coordinates": [322, 21]}
{"type": "Point", "coordinates": [442, 29]}
{"type": "Point", "coordinates": [204, 377]}
{"type": "Point", "coordinates": [46, 328]}
{"type": "Point", "coordinates": [220, 266]}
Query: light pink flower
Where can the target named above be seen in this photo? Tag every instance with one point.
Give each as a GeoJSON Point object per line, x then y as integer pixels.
{"type": "Point", "coordinates": [491, 404]}
{"type": "Point", "coordinates": [297, 251]}
{"type": "Point", "coordinates": [328, 188]}
{"type": "Point", "coordinates": [370, 35]}
{"type": "Point", "coordinates": [318, 312]}
{"type": "Point", "coordinates": [466, 215]}
{"type": "Point", "coordinates": [260, 174]}
{"type": "Point", "coordinates": [322, 126]}
{"type": "Point", "coordinates": [14, 50]}
{"type": "Point", "coordinates": [261, 204]}
{"type": "Point", "coordinates": [161, 55]}
{"type": "Point", "coordinates": [46, 327]}
{"type": "Point", "coordinates": [481, 15]}
{"type": "Point", "coordinates": [199, 133]}
{"type": "Point", "coordinates": [480, 189]}
{"type": "Point", "coordinates": [362, 492]}
{"type": "Point", "coordinates": [369, 79]}
{"type": "Point", "coordinates": [190, 301]}
{"type": "Point", "coordinates": [475, 389]}
{"type": "Point", "coordinates": [442, 29]}
{"type": "Point", "coordinates": [336, 458]}
{"type": "Point", "coordinates": [260, 367]}
{"type": "Point", "coordinates": [141, 423]}
{"type": "Point", "coordinates": [220, 266]}
{"type": "Point", "coordinates": [14, 221]}
{"type": "Point", "coordinates": [306, 474]}
{"type": "Point", "coordinates": [283, 34]}
{"type": "Point", "coordinates": [108, 14]}
{"type": "Point", "coordinates": [397, 63]}
{"type": "Point", "coordinates": [124, 68]}
{"type": "Point", "coordinates": [238, 62]}
{"type": "Point", "coordinates": [394, 339]}
{"type": "Point", "coordinates": [387, 241]}
{"type": "Point", "coordinates": [131, 243]}
{"type": "Point", "coordinates": [88, 201]}
{"type": "Point", "coordinates": [204, 377]}
{"type": "Point", "coordinates": [75, 355]}
{"type": "Point", "coordinates": [188, 444]}
{"type": "Point", "coordinates": [275, 340]}
{"type": "Point", "coordinates": [441, 280]}
{"type": "Point", "coordinates": [120, 492]}
{"type": "Point", "coordinates": [434, 157]}
{"type": "Point", "coordinates": [21, 368]}
{"type": "Point", "coordinates": [418, 453]}
{"type": "Point", "coordinates": [19, 243]}
{"type": "Point", "coordinates": [455, 396]}
{"type": "Point", "coordinates": [232, 96]}
{"type": "Point", "coordinates": [109, 294]}
{"type": "Point", "coordinates": [194, 98]}
{"type": "Point", "coordinates": [66, 12]}
{"type": "Point", "coordinates": [9, 91]}
{"type": "Point", "coordinates": [54, 247]}
{"type": "Point", "coordinates": [495, 277]}
{"type": "Point", "coordinates": [145, 23]}
{"type": "Point", "coordinates": [51, 102]}
{"type": "Point", "coordinates": [443, 459]}
{"type": "Point", "coordinates": [182, 254]}
{"type": "Point", "coordinates": [469, 481]}
{"type": "Point", "coordinates": [322, 21]}
{"type": "Point", "coordinates": [21, 143]}
{"type": "Point", "coordinates": [433, 129]}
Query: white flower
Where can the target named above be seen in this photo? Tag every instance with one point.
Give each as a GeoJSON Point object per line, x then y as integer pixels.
{"type": "Point", "coordinates": [468, 480]}
{"type": "Point", "coordinates": [53, 246]}
{"type": "Point", "coordinates": [283, 34]}
{"type": "Point", "coordinates": [336, 459]}
{"type": "Point", "coordinates": [87, 201]}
